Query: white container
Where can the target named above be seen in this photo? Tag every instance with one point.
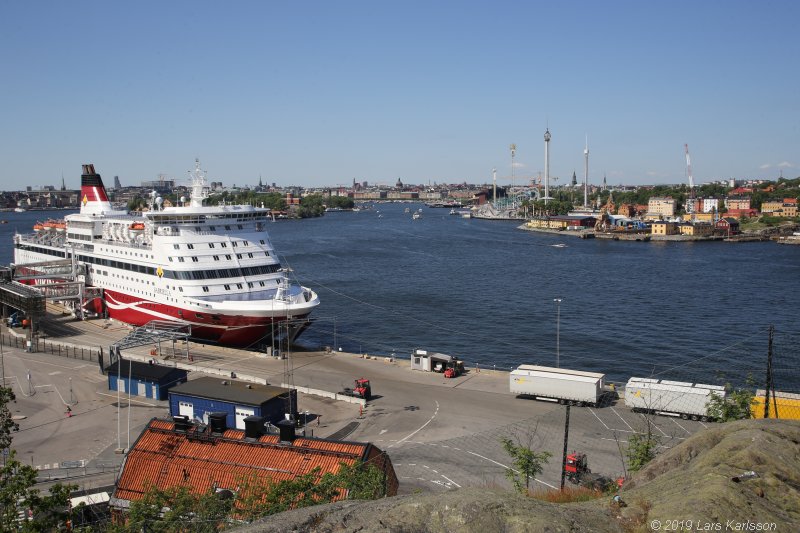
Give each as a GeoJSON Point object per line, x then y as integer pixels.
{"type": "Point", "coordinates": [557, 384]}
{"type": "Point", "coordinates": [687, 400]}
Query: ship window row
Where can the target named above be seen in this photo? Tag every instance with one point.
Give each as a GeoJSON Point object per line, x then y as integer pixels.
{"type": "Point", "coordinates": [222, 244]}
{"type": "Point", "coordinates": [221, 273]}
{"type": "Point", "coordinates": [79, 237]}
{"type": "Point", "coordinates": [40, 250]}
{"type": "Point", "coordinates": [179, 274]}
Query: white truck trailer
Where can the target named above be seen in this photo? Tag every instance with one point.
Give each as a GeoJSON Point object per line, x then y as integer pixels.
{"type": "Point", "coordinates": [675, 398]}
{"type": "Point", "coordinates": [562, 385]}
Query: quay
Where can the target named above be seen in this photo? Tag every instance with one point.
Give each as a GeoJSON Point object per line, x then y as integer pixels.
{"type": "Point", "coordinates": [440, 433]}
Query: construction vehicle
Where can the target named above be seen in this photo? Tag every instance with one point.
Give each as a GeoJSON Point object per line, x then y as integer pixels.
{"type": "Point", "coordinates": [578, 472]}
{"type": "Point", "coordinates": [454, 369]}
{"type": "Point", "coordinates": [362, 389]}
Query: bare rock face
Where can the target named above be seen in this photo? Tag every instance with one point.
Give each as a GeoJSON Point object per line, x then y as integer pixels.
{"type": "Point", "coordinates": [689, 488]}
{"type": "Point", "coordinates": [695, 481]}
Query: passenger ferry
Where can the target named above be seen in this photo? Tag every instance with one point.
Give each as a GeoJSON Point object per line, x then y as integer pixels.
{"type": "Point", "coordinates": [211, 267]}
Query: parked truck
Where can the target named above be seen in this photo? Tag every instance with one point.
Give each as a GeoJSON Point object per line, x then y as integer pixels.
{"type": "Point", "coordinates": [675, 398]}
{"type": "Point", "coordinates": [573, 387]}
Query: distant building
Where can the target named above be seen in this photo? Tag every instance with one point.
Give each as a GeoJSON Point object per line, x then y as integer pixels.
{"type": "Point", "coordinates": [710, 205]}
{"type": "Point", "coordinates": [664, 207]}
{"type": "Point", "coordinates": [117, 184]}
{"type": "Point", "coordinates": [662, 227]}
{"type": "Point", "coordinates": [701, 229]}
{"type": "Point", "coordinates": [737, 202]}
{"type": "Point", "coordinates": [728, 226]}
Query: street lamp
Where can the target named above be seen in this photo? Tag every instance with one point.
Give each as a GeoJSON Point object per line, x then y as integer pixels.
{"type": "Point", "coordinates": [558, 327]}
{"type": "Point", "coordinates": [305, 421]}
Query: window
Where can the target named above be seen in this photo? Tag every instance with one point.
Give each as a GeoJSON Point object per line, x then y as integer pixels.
{"type": "Point", "coordinates": [238, 285]}
{"type": "Point", "coordinates": [227, 287]}
{"type": "Point", "coordinates": [176, 246]}
{"type": "Point", "coordinates": [235, 244]}
{"type": "Point", "coordinates": [250, 285]}
{"type": "Point", "coordinates": [228, 228]}
{"type": "Point", "coordinates": [190, 246]}
{"type": "Point", "coordinates": [205, 288]}
{"type": "Point", "coordinates": [228, 257]}
{"type": "Point", "coordinates": [194, 259]}
{"type": "Point", "coordinates": [240, 226]}
{"type": "Point", "coordinates": [216, 258]}
{"type": "Point", "coordinates": [238, 256]}
{"type": "Point", "coordinates": [212, 228]}
{"type": "Point", "coordinates": [266, 253]}
{"type": "Point", "coordinates": [261, 283]}
{"type": "Point", "coordinates": [261, 241]}
{"type": "Point", "coordinates": [250, 256]}
{"type": "Point", "coordinates": [180, 289]}
{"type": "Point", "coordinates": [180, 260]}
{"type": "Point", "coordinates": [211, 245]}
{"type": "Point", "coordinates": [224, 244]}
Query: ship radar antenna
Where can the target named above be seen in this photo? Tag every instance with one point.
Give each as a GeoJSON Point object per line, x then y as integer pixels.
{"type": "Point", "coordinates": [199, 188]}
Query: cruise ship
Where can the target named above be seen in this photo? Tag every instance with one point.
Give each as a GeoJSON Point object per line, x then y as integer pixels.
{"type": "Point", "coordinates": [210, 267]}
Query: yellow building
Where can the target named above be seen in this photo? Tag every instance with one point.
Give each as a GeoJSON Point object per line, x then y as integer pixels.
{"type": "Point", "coordinates": [696, 230]}
{"type": "Point", "coordinates": [663, 227]}
{"type": "Point", "coordinates": [701, 217]}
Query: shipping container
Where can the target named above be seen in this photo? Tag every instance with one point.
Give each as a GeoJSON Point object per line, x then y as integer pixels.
{"type": "Point", "coordinates": [687, 400]}
{"type": "Point", "coordinates": [574, 387]}
{"type": "Point", "coordinates": [785, 405]}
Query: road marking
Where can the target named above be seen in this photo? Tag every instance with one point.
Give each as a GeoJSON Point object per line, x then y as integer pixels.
{"type": "Point", "coordinates": [597, 417]}
{"type": "Point", "coordinates": [383, 431]}
{"type": "Point", "coordinates": [54, 373]}
{"type": "Point", "coordinates": [705, 426]}
{"type": "Point", "coordinates": [509, 468]}
{"type": "Point", "coordinates": [680, 426]}
{"type": "Point", "coordinates": [620, 417]}
{"type": "Point", "coordinates": [125, 398]}
{"type": "Point", "coordinates": [418, 429]}
{"type": "Point", "coordinates": [450, 480]}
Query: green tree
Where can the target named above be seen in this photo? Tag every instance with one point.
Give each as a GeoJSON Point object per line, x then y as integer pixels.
{"type": "Point", "coordinates": [642, 448]}
{"type": "Point", "coordinates": [527, 463]}
{"type": "Point", "coordinates": [735, 405]}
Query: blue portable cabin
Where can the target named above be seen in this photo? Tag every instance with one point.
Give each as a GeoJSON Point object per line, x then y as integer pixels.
{"type": "Point", "coordinates": [144, 379]}
{"type": "Point", "coordinates": [198, 398]}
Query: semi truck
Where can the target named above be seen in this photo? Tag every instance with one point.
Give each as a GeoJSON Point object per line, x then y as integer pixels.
{"type": "Point", "coordinates": [573, 387]}
{"type": "Point", "coordinates": [674, 398]}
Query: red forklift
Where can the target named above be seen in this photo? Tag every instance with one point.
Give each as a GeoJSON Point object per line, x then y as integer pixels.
{"type": "Point", "coordinates": [578, 472]}
{"type": "Point", "coordinates": [362, 389]}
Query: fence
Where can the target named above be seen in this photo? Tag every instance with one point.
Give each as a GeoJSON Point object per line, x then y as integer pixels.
{"type": "Point", "coordinates": [83, 353]}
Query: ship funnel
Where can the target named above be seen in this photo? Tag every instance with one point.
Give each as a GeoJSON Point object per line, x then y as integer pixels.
{"type": "Point", "coordinates": [94, 200]}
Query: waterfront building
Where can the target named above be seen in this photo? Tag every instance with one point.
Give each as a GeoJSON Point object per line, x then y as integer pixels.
{"type": "Point", "coordinates": [663, 227]}
{"type": "Point", "coordinates": [700, 229]}
{"type": "Point", "coordinates": [144, 379]}
{"type": "Point", "coordinates": [562, 222]}
{"type": "Point", "coordinates": [786, 207]}
{"type": "Point", "coordinates": [727, 225]}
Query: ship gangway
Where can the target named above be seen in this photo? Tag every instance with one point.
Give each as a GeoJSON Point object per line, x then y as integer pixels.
{"type": "Point", "coordinates": [151, 334]}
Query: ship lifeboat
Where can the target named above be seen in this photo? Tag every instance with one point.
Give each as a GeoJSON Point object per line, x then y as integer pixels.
{"type": "Point", "coordinates": [137, 226]}
{"type": "Point", "coordinates": [38, 227]}
{"type": "Point", "coordinates": [60, 227]}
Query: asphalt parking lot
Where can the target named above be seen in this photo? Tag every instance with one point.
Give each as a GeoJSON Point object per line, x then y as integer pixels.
{"type": "Point", "coordinates": [440, 433]}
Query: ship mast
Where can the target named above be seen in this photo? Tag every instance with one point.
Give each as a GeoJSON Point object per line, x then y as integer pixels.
{"type": "Point", "coordinates": [199, 188]}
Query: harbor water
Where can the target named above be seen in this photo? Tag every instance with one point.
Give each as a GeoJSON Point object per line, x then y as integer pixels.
{"type": "Point", "coordinates": [484, 291]}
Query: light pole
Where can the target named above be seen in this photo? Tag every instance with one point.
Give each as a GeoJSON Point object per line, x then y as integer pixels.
{"type": "Point", "coordinates": [558, 327]}
{"type": "Point", "coordinates": [305, 421]}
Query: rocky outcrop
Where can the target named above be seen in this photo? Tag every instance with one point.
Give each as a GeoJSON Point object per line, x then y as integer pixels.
{"type": "Point", "coordinates": [698, 485]}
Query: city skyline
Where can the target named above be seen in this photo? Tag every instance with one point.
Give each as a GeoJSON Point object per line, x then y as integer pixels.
{"type": "Point", "coordinates": [320, 94]}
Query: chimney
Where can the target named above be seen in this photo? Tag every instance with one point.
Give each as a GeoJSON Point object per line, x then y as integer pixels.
{"type": "Point", "coordinates": [182, 423]}
{"type": "Point", "coordinates": [218, 422]}
{"type": "Point", "coordinates": [253, 427]}
{"type": "Point", "coordinates": [287, 431]}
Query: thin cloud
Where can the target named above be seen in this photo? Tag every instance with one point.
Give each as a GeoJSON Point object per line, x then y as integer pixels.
{"type": "Point", "coordinates": [785, 164]}
{"type": "Point", "coordinates": [765, 166]}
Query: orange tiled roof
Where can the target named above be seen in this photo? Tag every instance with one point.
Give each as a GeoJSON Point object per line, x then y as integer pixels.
{"type": "Point", "coordinates": [166, 458]}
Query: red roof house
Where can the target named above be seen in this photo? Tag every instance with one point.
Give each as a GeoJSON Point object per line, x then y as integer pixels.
{"type": "Point", "coordinates": [176, 453]}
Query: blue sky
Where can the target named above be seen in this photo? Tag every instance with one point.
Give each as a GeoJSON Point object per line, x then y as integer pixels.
{"type": "Point", "coordinates": [320, 93]}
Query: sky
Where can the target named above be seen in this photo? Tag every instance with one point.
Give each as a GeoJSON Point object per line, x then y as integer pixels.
{"type": "Point", "coordinates": [319, 93]}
